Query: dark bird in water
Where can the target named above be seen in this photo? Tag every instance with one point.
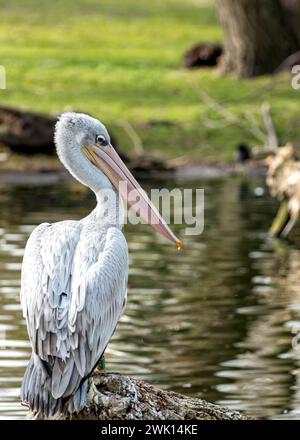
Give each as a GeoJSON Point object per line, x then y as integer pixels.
{"type": "Point", "coordinates": [243, 153]}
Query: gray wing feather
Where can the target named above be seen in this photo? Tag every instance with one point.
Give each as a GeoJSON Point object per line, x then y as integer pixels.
{"type": "Point", "coordinates": [74, 284]}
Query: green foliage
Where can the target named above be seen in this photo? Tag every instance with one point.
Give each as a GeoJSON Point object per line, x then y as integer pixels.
{"type": "Point", "coordinates": [123, 60]}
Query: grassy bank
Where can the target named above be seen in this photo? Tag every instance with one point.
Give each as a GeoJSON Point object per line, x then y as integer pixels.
{"type": "Point", "coordinates": [123, 60]}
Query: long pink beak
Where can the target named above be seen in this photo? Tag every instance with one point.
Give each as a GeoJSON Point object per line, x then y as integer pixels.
{"type": "Point", "coordinates": [110, 163]}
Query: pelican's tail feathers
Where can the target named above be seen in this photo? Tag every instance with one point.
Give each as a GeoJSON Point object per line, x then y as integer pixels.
{"type": "Point", "coordinates": [36, 392]}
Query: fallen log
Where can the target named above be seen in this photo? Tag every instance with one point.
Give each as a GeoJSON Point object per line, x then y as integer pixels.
{"type": "Point", "coordinates": [30, 133]}
{"type": "Point", "coordinates": [283, 180]}
{"type": "Point", "coordinates": [26, 132]}
{"type": "Point", "coordinates": [113, 396]}
{"type": "Point", "coordinates": [283, 177]}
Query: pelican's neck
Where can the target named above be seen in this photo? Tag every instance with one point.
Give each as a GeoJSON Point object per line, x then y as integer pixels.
{"type": "Point", "coordinates": [109, 210]}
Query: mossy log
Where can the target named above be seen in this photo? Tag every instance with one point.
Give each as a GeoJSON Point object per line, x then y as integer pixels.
{"type": "Point", "coordinates": [113, 396]}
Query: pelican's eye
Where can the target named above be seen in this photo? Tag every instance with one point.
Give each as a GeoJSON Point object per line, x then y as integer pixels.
{"type": "Point", "coordinates": [100, 139]}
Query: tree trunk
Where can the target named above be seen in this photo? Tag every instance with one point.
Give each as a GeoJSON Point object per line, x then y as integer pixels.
{"type": "Point", "coordinates": [257, 36]}
{"type": "Point", "coordinates": [113, 396]}
{"type": "Point", "coordinates": [291, 10]}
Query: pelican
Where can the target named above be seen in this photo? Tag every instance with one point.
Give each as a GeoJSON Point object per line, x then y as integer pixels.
{"type": "Point", "coordinates": [74, 273]}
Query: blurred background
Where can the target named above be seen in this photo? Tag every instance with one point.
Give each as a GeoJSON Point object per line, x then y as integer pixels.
{"type": "Point", "coordinates": [182, 85]}
{"type": "Point", "coordinates": [127, 60]}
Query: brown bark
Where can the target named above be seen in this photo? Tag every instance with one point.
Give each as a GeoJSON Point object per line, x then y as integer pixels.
{"type": "Point", "coordinates": [291, 10]}
{"type": "Point", "coordinates": [113, 396]}
{"type": "Point", "coordinates": [257, 36]}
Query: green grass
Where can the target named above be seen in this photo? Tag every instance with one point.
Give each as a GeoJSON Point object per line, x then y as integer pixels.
{"type": "Point", "coordinates": [122, 59]}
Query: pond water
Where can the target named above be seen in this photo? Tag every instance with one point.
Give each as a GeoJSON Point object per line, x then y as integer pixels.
{"type": "Point", "coordinates": [218, 321]}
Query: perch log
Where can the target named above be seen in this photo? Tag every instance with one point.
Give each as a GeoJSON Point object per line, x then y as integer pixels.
{"type": "Point", "coordinates": [113, 396]}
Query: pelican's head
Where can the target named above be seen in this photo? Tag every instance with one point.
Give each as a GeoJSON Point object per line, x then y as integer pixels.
{"type": "Point", "coordinates": [84, 147]}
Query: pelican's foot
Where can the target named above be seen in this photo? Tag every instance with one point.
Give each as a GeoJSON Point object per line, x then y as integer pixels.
{"type": "Point", "coordinates": [101, 364]}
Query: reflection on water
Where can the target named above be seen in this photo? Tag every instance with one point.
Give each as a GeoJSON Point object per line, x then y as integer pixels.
{"type": "Point", "coordinates": [215, 321]}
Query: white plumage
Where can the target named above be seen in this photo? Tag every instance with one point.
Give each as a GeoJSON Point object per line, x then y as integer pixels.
{"type": "Point", "coordinates": [74, 281]}
{"type": "Point", "coordinates": [74, 276]}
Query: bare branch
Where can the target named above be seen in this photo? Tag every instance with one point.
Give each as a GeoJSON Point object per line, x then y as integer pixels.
{"type": "Point", "coordinates": [214, 105]}
{"type": "Point", "coordinates": [270, 129]}
{"type": "Point", "coordinates": [255, 127]}
{"type": "Point", "coordinates": [229, 117]}
{"type": "Point", "coordinates": [217, 124]}
{"type": "Point", "coordinates": [289, 62]}
{"type": "Point", "coordinates": [136, 140]}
